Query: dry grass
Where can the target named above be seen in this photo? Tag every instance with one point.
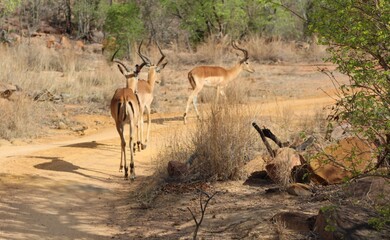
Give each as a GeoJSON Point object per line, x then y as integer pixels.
{"type": "Point", "coordinates": [263, 50]}
{"type": "Point", "coordinates": [34, 68]}
{"type": "Point", "coordinates": [87, 78]}
{"type": "Point", "coordinates": [20, 118]}
{"type": "Point", "coordinates": [222, 142]}
{"type": "Point", "coordinates": [220, 52]}
{"type": "Point", "coordinates": [219, 145]}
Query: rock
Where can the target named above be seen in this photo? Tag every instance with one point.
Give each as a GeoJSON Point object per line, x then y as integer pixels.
{"type": "Point", "coordinates": [341, 132]}
{"type": "Point", "coordinates": [347, 222]}
{"type": "Point", "coordinates": [177, 169]}
{"type": "Point", "coordinates": [300, 174]}
{"type": "Point", "coordinates": [258, 177]}
{"type": "Point", "coordinates": [374, 190]}
{"type": "Point", "coordinates": [299, 189]}
{"type": "Point", "coordinates": [62, 125]}
{"type": "Point", "coordinates": [296, 221]}
{"type": "Point", "coordinates": [279, 168]}
{"type": "Point", "coordinates": [335, 165]}
{"type": "Point", "coordinates": [6, 90]}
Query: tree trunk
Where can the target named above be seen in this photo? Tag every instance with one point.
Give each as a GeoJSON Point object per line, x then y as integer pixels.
{"type": "Point", "coordinates": [68, 16]}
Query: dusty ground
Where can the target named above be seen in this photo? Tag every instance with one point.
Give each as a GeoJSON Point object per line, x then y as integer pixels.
{"type": "Point", "coordinates": [67, 186]}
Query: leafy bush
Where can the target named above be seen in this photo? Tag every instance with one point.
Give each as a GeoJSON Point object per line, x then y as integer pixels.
{"type": "Point", "coordinates": [358, 34]}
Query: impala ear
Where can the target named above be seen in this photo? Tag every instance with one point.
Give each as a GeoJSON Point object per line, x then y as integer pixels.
{"type": "Point", "coordinates": [121, 69]}
{"type": "Point", "coordinates": [163, 65]}
{"type": "Point", "coordinates": [159, 68]}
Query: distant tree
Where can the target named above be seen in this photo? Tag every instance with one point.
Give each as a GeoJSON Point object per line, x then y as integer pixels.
{"type": "Point", "coordinates": [89, 14]}
{"type": "Point", "coordinates": [358, 33]}
{"type": "Point", "coordinates": [68, 17]}
{"type": "Point", "coordinates": [123, 23]}
{"type": "Point", "coordinates": [9, 6]}
{"type": "Point", "coordinates": [285, 19]}
{"type": "Point", "coordinates": [237, 18]}
{"type": "Point", "coordinates": [205, 18]}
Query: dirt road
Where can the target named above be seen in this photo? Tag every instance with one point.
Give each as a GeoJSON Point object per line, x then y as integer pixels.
{"type": "Point", "coordinates": [72, 189]}
{"type": "Point", "coordinates": [69, 187]}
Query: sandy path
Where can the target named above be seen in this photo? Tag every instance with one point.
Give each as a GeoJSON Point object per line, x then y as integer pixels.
{"type": "Point", "coordinates": [68, 189]}
{"type": "Point", "coordinates": [71, 189]}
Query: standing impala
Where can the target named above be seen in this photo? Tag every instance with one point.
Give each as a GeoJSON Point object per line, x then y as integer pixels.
{"type": "Point", "coordinates": [214, 76]}
{"type": "Point", "coordinates": [145, 90]}
{"type": "Point", "coordinates": [125, 108]}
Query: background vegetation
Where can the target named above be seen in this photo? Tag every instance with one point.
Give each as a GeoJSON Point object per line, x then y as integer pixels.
{"type": "Point", "coordinates": [179, 21]}
{"type": "Point", "coordinates": [357, 32]}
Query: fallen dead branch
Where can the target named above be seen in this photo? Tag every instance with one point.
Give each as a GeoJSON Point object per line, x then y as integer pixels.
{"type": "Point", "coordinates": [203, 210]}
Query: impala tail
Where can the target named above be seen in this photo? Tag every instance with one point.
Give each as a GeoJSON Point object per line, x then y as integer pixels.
{"type": "Point", "coordinates": [192, 80]}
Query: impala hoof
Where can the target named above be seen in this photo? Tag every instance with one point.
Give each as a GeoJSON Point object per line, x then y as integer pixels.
{"type": "Point", "coordinates": [143, 146]}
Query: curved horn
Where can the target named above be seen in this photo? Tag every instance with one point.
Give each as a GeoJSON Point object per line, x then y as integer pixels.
{"type": "Point", "coordinates": [162, 55]}
{"type": "Point", "coordinates": [144, 58]}
{"type": "Point", "coordinates": [242, 50]}
{"type": "Point", "coordinates": [113, 59]}
{"type": "Point", "coordinates": [113, 56]}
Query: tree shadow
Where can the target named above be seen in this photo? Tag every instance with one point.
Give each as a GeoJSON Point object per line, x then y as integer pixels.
{"type": "Point", "coordinates": [59, 165]}
{"type": "Point", "coordinates": [166, 119]}
{"type": "Point", "coordinates": [92, 144]}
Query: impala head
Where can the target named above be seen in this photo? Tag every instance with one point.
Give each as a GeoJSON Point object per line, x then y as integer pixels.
{"type": "Point", "coordinates": [243, 62]}
{"type": "Point", "coordinates": [130, 74]}
{"type": "Point", "coordinates": [159, 66]}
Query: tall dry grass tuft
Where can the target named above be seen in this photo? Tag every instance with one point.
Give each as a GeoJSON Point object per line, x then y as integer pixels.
{"type": "Point", "coordinates": [218, 146]}
{"type": "Point", "coordinates": [222, 142]}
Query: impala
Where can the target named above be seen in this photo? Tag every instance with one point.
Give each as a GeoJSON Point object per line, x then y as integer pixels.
{"type": "Point", "coordinates": [125, 108]}
{"type": "Point", "coordinates": [145, 90]}
{"type": "Point", "coordinates": [214, 76]}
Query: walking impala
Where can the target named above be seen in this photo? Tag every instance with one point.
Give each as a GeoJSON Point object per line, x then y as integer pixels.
{"type": "Point", "coordinates": [214, 76]}
{"type": "Point", "coordinates": [125, 108]}
{"type": "Point", "coordinates": [145, 90]}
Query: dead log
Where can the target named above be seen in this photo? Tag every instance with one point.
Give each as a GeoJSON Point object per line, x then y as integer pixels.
{"type": "Point", "coordinates": [272, 136]}
{"type": "Point", "coordinates": [262, 135]}
{"type": "Point", "coordinates": [305, 144]}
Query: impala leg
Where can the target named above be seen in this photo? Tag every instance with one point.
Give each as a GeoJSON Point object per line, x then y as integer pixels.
{"type": "Point", "coordinates": [143, 140]}
{"type": "Point", "coordinates": [140, 132]}
{"type": "Point", "coordinates": [132, 173]}
{"type": "Point", "coordinates": [223, 94]}
{"type": "Point", "coordinates": [194, 98]}
{"type": "Point", "coordinates": [148, 127]}
{"type": "Point", "coordinates": [123, 153]}
{"type": "Point", "coordinates": [217, 94]}
{"type": "Point", "coordinates": [195, 102]}
{"type": "Point", "coordinates": [188, 106]}
{"type": "Point", "coordinates": [123, 145]}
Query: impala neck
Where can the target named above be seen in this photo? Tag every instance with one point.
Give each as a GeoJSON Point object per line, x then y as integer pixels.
{"type": "Point", "coordinates": [234, 71]}
{"type": "Point", "coordinates": [152, 77]}
{"type": "Point", "coordinates": [132, 83]}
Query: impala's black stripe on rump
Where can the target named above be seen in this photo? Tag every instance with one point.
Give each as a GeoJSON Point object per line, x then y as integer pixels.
{"type": "Point", "coordinates": [192, 80]}
{"type": "Point", "coordinates": [131, 105]}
